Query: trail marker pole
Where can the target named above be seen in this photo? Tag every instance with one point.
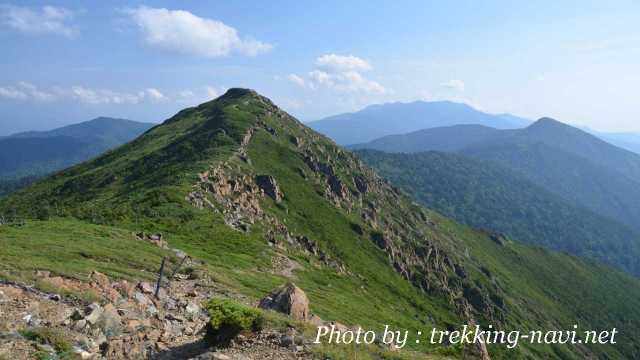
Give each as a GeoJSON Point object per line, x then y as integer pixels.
{"type": "Point", "coordinates": [160, 277]}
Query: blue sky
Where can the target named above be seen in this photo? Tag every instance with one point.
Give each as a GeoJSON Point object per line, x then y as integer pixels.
{"type": "Point", "coordinates": [70, 61]}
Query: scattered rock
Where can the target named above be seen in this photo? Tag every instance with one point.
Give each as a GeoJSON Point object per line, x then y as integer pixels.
{"type": "Point", "coordinates": [155, 239]}
{"type": "Point", "coordinates": [43, 273]}
{"type": "Point", "coordinates": [145, 287]}
{"type": "Point", "coordinates": [93, 313]}
{"type": "Point", "coordinates": [109, 321]}
{"type": "Point", "coordinates": [46, 348]}
{"type": "Point", "coordinates": [288, 299]}
{"type": "Point", "coordinates": [287, 340]}
{"type": "Point", "coordinates": [100, 279]}
{"type": "Point", "coordinates": [80, 325]}
{"type": "Point", "coordinates": [192, 309]}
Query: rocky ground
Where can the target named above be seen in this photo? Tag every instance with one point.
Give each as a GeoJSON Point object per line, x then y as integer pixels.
{"type": "Point", "coordinates": [125, 321]}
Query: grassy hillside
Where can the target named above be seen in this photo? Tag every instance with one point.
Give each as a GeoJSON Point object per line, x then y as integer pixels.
{"type": "Point", "coordinates": [242, 186]}
{"type": "Point", "coordinates": [574, 178]}
{"type": "Point", "coordinates": [484, 195]}
{"type": "Point", "coordinates": [564, 160]}
{"type": "Point", "coordinates": [9, 186]}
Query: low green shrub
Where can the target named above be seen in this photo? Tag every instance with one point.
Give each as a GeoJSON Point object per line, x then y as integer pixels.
{"type": "Point", "coordinates": [48, 336]}
{"type": "Point", "coordinates": [229, 318]}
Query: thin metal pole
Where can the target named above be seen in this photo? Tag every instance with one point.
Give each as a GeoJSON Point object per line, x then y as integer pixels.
{"type": "Point", "coordinates": [160, 277]}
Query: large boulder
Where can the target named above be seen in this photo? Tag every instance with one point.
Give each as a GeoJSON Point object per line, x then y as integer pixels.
{"type": "Point", "coordinates": [288, 299]}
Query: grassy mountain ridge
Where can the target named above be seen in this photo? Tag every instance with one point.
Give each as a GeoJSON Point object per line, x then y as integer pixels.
{"type": "Point", "coordinates": [237, 183]}
{"type": "Point", "coordinates": [110, 131]}
{"type": "Point", "coordinates": [447, 138]}
{"type": "Point", "coordinates": [484, 195]}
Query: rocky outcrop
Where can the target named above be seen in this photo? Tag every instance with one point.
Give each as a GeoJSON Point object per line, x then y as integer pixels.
{"type": "Point", "coordinates": [155, 239]}
{"type": "Point", "coordinates": [337, 187]}
{"type": "Point", "coordinates": [199, 200]}
{"type": "Point", "coordinates": [361, 183]}
{"type": "Point", "coordinates": [288, 299]}
{"type": "Point", "coordinates": [268, 184]}
{"type": "Point", "coordinates": [237, 195]}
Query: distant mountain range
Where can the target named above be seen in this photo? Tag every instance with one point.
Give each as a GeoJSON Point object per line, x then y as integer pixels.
{"type": "Point", "coordinates": [381, 120]}
{"type": "Point", "coordinates": [486, 195]}
{"type": "Point", "coordinates": [566, 161]}
{"type": "Point", "coordinates": [396, 118]}
{"type": "Point", "coordinates": [36, 153]}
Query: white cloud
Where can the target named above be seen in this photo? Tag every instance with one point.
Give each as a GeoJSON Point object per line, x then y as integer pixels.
{"type": "Point", "coordinates": [296, 79]}
{"type": "Point", "coordinates": [198, 95]}
{"type": "Point", "coordinates": [93, 96]}
{"type": "Point", "coordinates": [46, 20]}
{"type": "Point", "coordinates": [102, 96]}
{"type": "Point", "coordinates": [454, 84]}
{"type": "Point", "coordinates": [342, 73]}
{"type": "Point", "coordinates": [154, 94]}
{"type": "Point", "coordinates": [184, 32]}
{"type": "Point", "coordinates": [339, 63]}
{"type": "Point", "coordinates": [36, 93]}
{"type": "Point", "coordinates": [355, 82]}
{"type": "Point", "coordinates": [317, 77]}
{"type": "Point", "coordinates": [12, 93]}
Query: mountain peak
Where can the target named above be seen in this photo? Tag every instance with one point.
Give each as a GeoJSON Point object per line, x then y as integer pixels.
{"type": "Point", "coordinates": [233, 93]}
{"type": "Point", "coordinates": [546, 121]}
{"type": "Point", "coordinates": [547, 124]}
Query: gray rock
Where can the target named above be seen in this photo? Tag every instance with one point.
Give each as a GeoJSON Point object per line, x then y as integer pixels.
{"type": "Point", "coordinates": [140, 298]}
{"type": "Point", "coordinates": [152, 310]}
{"type": "Point", "coordinates": [146, 288]}
{"type": "Point", "coordinates": [173, 317]}
{"type": "Point", "coordinates": [212, 356]}
{"type": "Point", "coordinates": [192, 309]}
{"type": "Point", "coordinates": [93, 313]}
{"type": "Point", "coordinates": [110, 321]}
{"type": "Point", "coordinates": [287, 340]}
{"type": "Point", "coordinates": [288, 299]}
{"type": "Point", "coordinates": [45, 348]}
{"type": "Point", "coordinates": [80, 325]}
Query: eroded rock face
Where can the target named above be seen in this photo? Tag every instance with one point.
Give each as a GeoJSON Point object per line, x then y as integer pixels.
{"type": "Point", "coordinates": [361, 183]}
{"type": "Point", "coordinates": [337, 187]}
{"type": "Point", "coordinates": [288, 299]}
{"type": "Point", "coordinates": [268, 184]}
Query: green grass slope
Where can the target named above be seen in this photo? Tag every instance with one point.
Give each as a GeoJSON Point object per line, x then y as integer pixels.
{"type": "Point", "coordinates": [365, 253]}
{"type": "Point", "coordinates": [485, 195]}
